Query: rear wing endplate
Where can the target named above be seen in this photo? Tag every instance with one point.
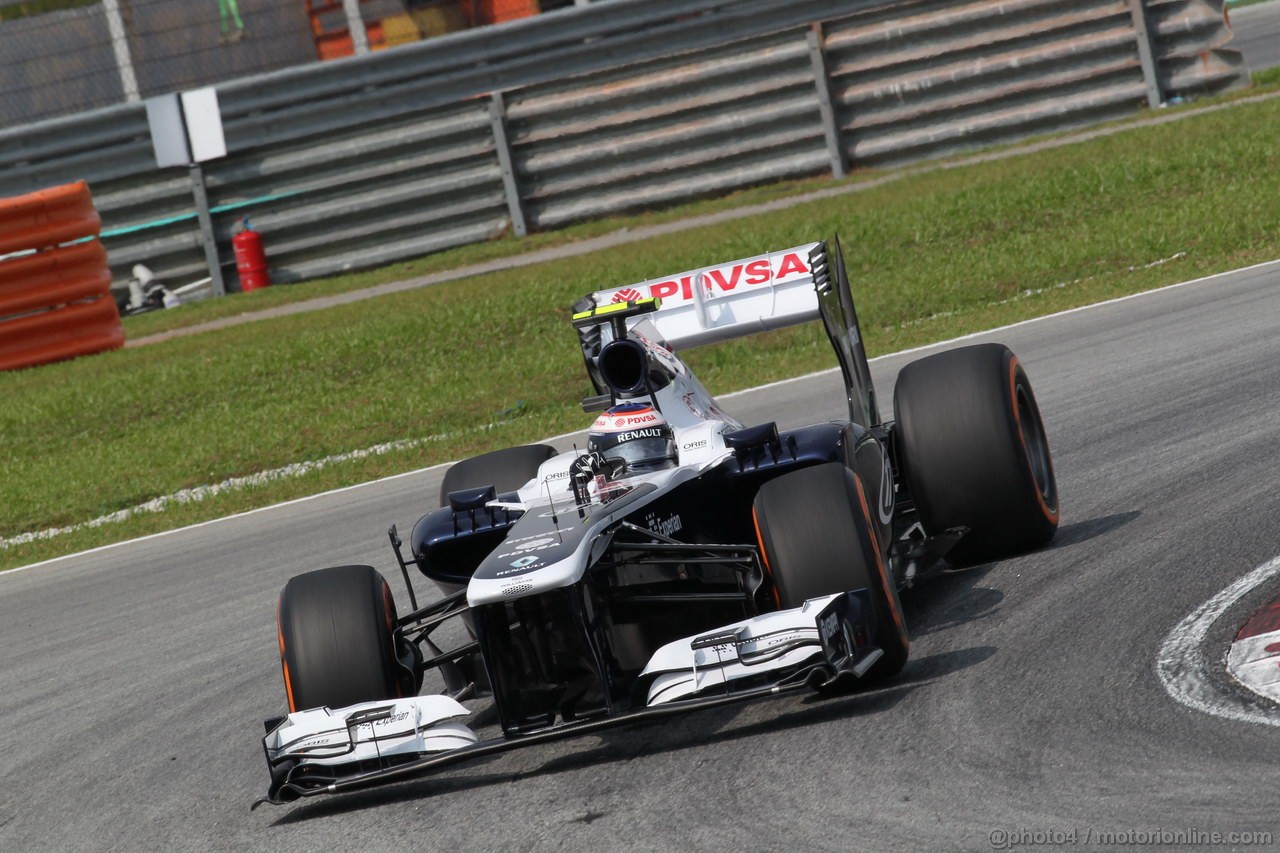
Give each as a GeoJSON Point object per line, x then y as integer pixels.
{"type": "Point", "coordinates": [841, 322]}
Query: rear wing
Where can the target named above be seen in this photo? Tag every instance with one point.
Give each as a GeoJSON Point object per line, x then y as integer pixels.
{"type": "Point", "coordinates": [726, 301]}
{"type": "Point", "coordinates": [739, 298]}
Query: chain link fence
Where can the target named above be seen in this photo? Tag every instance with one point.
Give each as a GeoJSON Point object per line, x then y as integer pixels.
{"type": "Point", "coordinates": [66, 56]}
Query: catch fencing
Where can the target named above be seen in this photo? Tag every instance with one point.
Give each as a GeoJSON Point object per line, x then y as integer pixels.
{"type": "Point", "coordinates": [608, 108]}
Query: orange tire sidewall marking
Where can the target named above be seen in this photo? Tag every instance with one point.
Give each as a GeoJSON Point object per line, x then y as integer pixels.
{"type": "Point", "coordinates": [388, 607]}
{"type": "Point", "coordinates": [1050, 513]}
{"type": "Point", "coordinates": [880, 570]}
{"type": "Point", "coordinates": [284, 664]}
{"type": "Point", "coordinates": [764, 558]}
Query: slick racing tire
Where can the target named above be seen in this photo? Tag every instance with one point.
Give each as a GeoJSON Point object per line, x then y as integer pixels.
{"type": "Point", "coordinates": [816, 536]}
{"type": "Point", "coordinates": [505, 470]}
{"type": "Point", "coordinates": [973, 446]}
{"type": "Point", "coordinates": [337, 645]}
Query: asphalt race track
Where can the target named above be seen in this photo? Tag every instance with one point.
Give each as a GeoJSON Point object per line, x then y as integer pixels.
{"type": "Point", "coordinates": [1256, 34]}
{"type": "Point", "coordinates": [136, 678]}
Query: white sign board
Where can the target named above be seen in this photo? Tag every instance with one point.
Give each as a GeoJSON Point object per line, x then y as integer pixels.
{"type": "Point", "coordinates": [186, 128]}
{"type": "Point", "coordinates": [168, 133]}
{"type": "Point", "coordinates": [204, 124]}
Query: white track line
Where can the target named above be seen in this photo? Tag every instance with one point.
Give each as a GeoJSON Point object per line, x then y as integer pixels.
{"type": "Point", "coordinates": [1181, 665]}
{"type": "Point", "coordinates": [729, 395]}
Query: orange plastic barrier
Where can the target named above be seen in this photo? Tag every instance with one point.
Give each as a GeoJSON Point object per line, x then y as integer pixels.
{"type": "Point", "coordinates": [82, 328]}
{"type": "Point", "coordinates": [55, 301]}
{"type": "Point", "coordinates": [53, 277]}
{"type": "Point", "coordinates": [47, 218]}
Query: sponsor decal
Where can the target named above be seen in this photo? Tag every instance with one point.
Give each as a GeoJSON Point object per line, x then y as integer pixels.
{"type": "Point", "coordinates": [661, 351]}
{"type": "Point", "coordinates": [566, 521]}
{"type": "Point", "coordinates": [886, 488]}
{"type": "Point", "coordinates": [524, 562]}
{"type": "Point", "coordinates": [398, 717]}
{"type": "Point", "coordinates": [666, 526]}
{"type": "Point", "coordinates": [778, 638]}
{"type": "Point", "coordinates": [541, 545]}
{"type": "Point", "coordinates": [632, 435]}
{"type": "Point", "coordinates": [536, 564]}
{"type": "Point", "coordinates": [616, 420]}
{"type": "Point", "coordinates": [635, 420]}
{"type": "Point", "coordinates": [627, 294]}
{"type": "Point", "coordinates": [534, 544]}
{"type": "Point", "coordinates": [694, 445]}
{"type": "Point", "coordinates": [829, 626]}
{"type": "Point", "coordinates": [726, 279]}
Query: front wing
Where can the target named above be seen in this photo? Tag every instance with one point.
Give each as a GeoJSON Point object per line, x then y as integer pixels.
{"type": "Point", "coordinates": [823, 644]}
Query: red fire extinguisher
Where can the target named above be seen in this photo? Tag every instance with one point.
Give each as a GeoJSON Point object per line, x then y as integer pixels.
{"type": "Point", "coordinates": [251, 259]}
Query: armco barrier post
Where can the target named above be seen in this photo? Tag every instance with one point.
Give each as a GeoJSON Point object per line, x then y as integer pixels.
{"type": "Point", "coordinates": [830, 123]}
{"type": "Point", "coordinates": [498, 126]}
{"type": "Point", "coordinates": [55, 288]}
{"type": "Point", "coordinates": [1146, 53]}
{"type": "Point", "coordinates": [205, 217]}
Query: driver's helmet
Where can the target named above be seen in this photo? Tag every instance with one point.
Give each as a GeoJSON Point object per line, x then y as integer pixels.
{"type": "Point", "coordinates": [635, 433]}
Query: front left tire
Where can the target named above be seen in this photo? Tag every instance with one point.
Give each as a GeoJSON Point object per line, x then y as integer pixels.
{"type": "Point", "coordinates": [816, 534]}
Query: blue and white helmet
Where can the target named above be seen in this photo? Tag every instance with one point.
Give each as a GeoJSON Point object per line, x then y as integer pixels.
{"type": "Point", "coordinates": [635, 433]}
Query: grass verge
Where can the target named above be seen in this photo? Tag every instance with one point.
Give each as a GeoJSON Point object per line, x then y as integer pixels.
{"type": "Point", "coordinates": [933, 255]}
{"type": "Point", "coordinates": [156, 322]}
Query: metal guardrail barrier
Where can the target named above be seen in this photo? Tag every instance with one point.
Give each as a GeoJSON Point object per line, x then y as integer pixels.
{"type": "Point", "coordinates": [612, 107]}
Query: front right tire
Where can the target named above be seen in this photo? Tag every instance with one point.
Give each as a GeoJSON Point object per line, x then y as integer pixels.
{"type": "Point", "coordinates": [337, 641]}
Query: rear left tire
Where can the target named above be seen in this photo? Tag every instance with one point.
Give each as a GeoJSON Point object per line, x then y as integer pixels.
{"type": "Point", "coordinates": [973, 444]}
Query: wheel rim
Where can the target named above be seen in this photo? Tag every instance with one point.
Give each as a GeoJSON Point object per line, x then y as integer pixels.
{"type": "Point", "coordinates": [1034, 441]}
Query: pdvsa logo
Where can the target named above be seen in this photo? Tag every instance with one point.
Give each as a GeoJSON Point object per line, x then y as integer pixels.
{"type": "Point", "coordinates": [635, 420]}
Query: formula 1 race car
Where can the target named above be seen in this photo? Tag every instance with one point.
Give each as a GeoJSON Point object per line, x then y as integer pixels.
{"type": "Point", "coordinates": [684, 560]}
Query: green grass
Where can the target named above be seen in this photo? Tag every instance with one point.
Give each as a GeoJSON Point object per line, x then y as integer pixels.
{"type": "Point", "coordinates": [933, 255]}
{"type": "Point", "coordinates": [1267, 78]}
{"type": "Point", "coordinates": [156, 322]}
{"type": "Point", "coordinates": [233, 305]}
